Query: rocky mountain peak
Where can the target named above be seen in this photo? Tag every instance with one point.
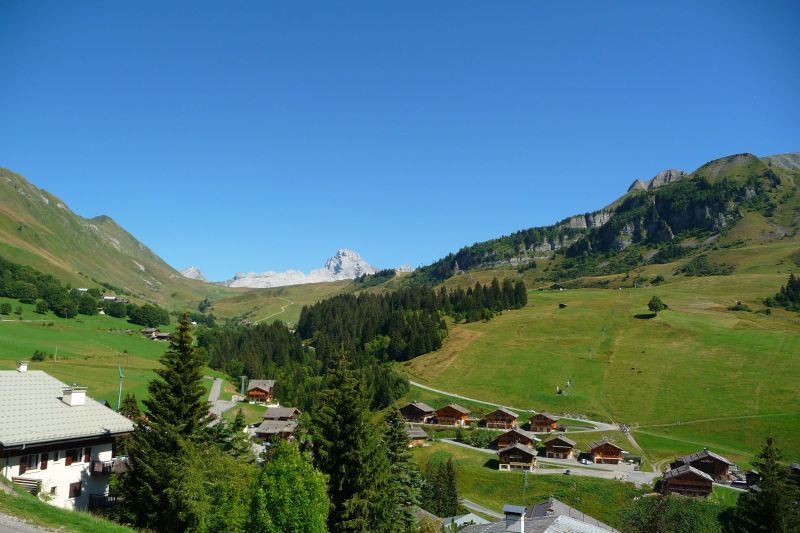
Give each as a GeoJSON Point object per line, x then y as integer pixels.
{"type": "Point", "coordinates": [193, 273]}
{"type": "Point", "coordinates": [348, 264]}
{"type": "Point", "coordinates": [665, 177]}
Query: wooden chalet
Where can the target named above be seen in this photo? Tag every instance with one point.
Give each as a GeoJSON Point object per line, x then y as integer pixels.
{"type": "Point", "coordinates": [707, 461]}
{"type": "Point", "coordinates": [560, 448]}
{"type": "Point", "coordinates": [260, 390]}
{"type": "Point", "coordinates": [502, 418]}
{"type": "Point", "coordinates": [516, 436]}
{"type": "Point", "coordinates": [605, 452]}
{"type": "Point", "coordinates": [543, 422]}
{"type": "Point", "coordinates": [418, 412]}
{"type": "Point", "coordinates": [452, 415]}
{"type": "Point", "coordinates": [416, 436]}
{"type": "Point", "coordinates": [270, 430]}
{"type": "Point", "coordinates": [281, 413]}
{"type": "Point", "coordinates": [689, 481]}
{"type": "Point", "coordinates": [517, 456]}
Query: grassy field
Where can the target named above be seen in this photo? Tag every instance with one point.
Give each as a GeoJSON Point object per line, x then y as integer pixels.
{"type": "Point", "coordinates": [696, 375]}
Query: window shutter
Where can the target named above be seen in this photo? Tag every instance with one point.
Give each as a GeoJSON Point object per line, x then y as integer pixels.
{"type": "Point", "coordinates": [23, 464]}
{"type": "Point", "coordinates": [70, 457]}
{"type": "Point", "coordinates": [87, 455]}
{"type": "Point", "coordinates": [43, 461]}
{"type": "Point", "coordinates": [75, 489]}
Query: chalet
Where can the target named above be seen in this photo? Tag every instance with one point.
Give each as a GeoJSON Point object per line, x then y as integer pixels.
{"type": "Point", "coordinates": [501, 419]}
{"type": "Point", "coordinates": [272, 429]}
{"type": "Point", "coordinates": [162, 336]}
{"type": "Point", "coordinates": [56, 441]}
{"type": "Point", "coordinates": [260, 390]}
{"type": "Point", "coordinates": [149, 332]}
{"type": "Point", "coordinates": [517, 456]}
{"type": "Point", "coordinates": [281, 413]}
{"type": "Point", "coordinates": [452, 415]}
{"type": "Point", "coordinates": [551, 516]}
{"type": "Point", "coordinates": [560, 448]}
{"type": "Point", "coordinates": [556, 287]}
{"type": "Point", "coordinates": [516, 436]}
{"type": "Point", "coordinates": [689, 481]}
{"type": "Point", "coordinates": [605, 452]}
{"type": "Point", "coordinates": [554, 507]}
{"type": "Point", "coordinates": [543, 422]}
{"type": "Point", "coordinates": [707, 461]}
{"type": "Point", "coordinates": [416, 436]}
{"type": "Point", "coordinates": [417, 412]}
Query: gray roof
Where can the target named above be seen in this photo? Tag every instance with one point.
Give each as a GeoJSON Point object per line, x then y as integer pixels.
{"type": "Point", "coordinates": [549, 524]}
{"type": "Point", "coordinates": [424, 407]}
{"type": "Point", "coordinates": [521, 447]}
{"type": "Point", "coordinates": [703, 455]}
{"type": "Point", "coordinates": [520, 431]}
{"type": "Point", "coordinates": [31, 412]}
{"type": "Point", "coordinates": [263, 384]}
{"type": "Point", "coordinates": [460, 520]}
{"type": "Point", "coordinates": [514, 509]}
{"type": "Point", "coordinates": [276, 427]}
{"type": "Point", "coordinates": [275, 413]}
{"type": "Point", "coordinates": [414, 432]}
{"type": "Point", "coordinates": [684, 469]}
{"type": "Point", "coordinates": [561, 438]}
{"type": "Point", "coordinates": [554, 507]}
{"type": "Point", "coordinates": [595, 444]}
{"type": "Point", "coordinates": [457, 407]}
{"type": "Point", "coordinates": [504, 411]}
{"type": "Point", "coordinates": [552, 417]}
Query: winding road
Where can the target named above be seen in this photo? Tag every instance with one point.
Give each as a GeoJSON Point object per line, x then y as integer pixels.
{"type": "Point", "coordinates": [283, 309]}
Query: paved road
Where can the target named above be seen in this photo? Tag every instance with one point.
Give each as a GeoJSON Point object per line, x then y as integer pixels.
{"type": "Point", "coordinates": [598, 426]}
{"type": "Point", "coordinates": [218, 406]}
{"type": "Point", "coordinates": [10, 524]}
{"type": "Point", "coordinates": [472, 506]}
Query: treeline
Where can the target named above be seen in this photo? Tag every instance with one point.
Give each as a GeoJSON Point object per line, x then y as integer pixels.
{"type": "Point", "coordinates": [788, 297]}
{"type": "Point", "coordinates": [371, 280]}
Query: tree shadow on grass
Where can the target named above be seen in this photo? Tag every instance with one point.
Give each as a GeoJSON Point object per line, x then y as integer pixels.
{"type": "Point", "coordinates": [491, 463]}
{"type": "Point", "coordinates": [645, 316]}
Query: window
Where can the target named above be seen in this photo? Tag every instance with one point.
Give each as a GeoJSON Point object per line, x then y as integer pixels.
{"type": "Point", "coordinates": [43, 461]}
{"type": "Point", "coordinates": [75, 489]}
{"type": "Point", "coordinates": [27, 462]}
{"type": "Point", "coordinates": [53, 490]}
{"type": "Point", "coordinates": [73, 456]}
{"type": "Point", "coordinates": [87, 455]}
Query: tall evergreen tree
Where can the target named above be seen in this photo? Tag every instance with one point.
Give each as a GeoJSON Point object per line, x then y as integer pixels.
{"type": "Point", "coordinates": [130, 407]}
{"type": "Point", "coordinates": [774, 506]}
{"type": "Point", "coordinates": [405, 477]}
{"type": "Point", "coordinates": [348, 449]}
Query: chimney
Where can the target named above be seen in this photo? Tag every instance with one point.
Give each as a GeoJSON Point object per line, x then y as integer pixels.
{"type": "Point", "coordinates": [74, 395]}
{"type": "Point", "coordinates": [515, 518]}
{"type": "Point", "coordinates": [22, 366]}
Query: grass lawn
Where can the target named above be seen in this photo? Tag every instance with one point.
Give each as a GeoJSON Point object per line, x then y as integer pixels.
{"type": "Point", "coordinates": [481, 482]}
{"type": "Point", "coordinates": [252, 413]}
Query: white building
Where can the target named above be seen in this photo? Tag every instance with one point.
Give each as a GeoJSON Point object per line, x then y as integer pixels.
{"type": "Point", "coordinates": [55, 440]}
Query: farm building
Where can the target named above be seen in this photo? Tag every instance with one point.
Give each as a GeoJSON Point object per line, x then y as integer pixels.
{"type": "Point", "coordinates": [707, 461]}
{"type": "Point", "coordinates": [560, 448]}
{"type": "Point", "coordinates": [517, 456]}
{"type": "Point", "coordinates": [688, 481]}
{"type": "Point", "coordinates": [502, 418]}
{"type": "Point", "coordinates": [416, 436]}
{"type": "Point", "coordinates": [543, 422]}
{"type": "Point", "coordinates": [281, 413]}
{"type": "Point", "coordinates": [418, 412]}
{"type": "Point", "coordinates": [56, 441]}
{"type": "Point", "coordinates": [260, 390]}
{"type": "Point", "coordinates": [452, 415]}
{"type": "Point", "coordinates": [605, 452]}
{"type": "Point", "coordinates": [516, 436]}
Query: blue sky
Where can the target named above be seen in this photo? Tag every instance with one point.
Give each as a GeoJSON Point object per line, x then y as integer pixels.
{"type": "Point", "coordinates": [265, 135]}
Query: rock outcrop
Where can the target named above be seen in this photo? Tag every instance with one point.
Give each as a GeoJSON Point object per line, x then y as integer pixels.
{"type": "Point", "coordinates": [193, 273]}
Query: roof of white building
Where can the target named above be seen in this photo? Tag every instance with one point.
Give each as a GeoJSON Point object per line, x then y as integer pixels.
{"type": "Point", "coordinates": [31, 412]}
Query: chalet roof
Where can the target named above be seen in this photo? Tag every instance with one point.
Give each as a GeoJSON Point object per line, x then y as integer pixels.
{"type": "Point", "coordinates": [263, 384]}
{"type": "Point", "coordinates": [31, 412]}
{"type": "Point", "coordinates": [276, 413]}
{"type": "Point", "coordinates": [415, 432]}
{"type": "Point", "coordinates": [554, 507]}
{"type": "Point", "coordinates": [547, 524]}
{"type": "Point", "coordinates": [598, 443]}
{"type": "Point", "coordinates": [460, 409]}
{"type": "Point", "coordinates": [565, 440]}
{"type": "Point", "coordinates": [504, 411]}
{"type": "Point", "coordinates": [520, 431]}
{"type": "Point", "coordinates": [705, 454]}
{"type": "Point", "coordinates": [547, 415]}
{"type": "Point", "coordinates": [685, 469]}
{"type": "Point", "coordinates": [520, 447]}
{"type": "Point", "coordinates": [276, 427]}
{"type": "Point", "coordinates": [424, 407]}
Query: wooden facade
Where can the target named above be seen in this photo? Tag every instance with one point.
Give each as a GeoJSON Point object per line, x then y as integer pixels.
{"type": "Point", "coordinates": [709, 462]}
{"type": "Point", "coordinates": [418, 412]}
{"type": "Point", "coordinates": [688, 481]}
{"type": "Point", "coordinates": [516, 456]}
{"type": "Point", "coordinates": [560, 448]}
{"type": "Point", "coordinates": [516, 436]}
{"type": "Point", "coordinates": [416, 436]}
{"type": "Point", "coordinates": [501, 419]}
{"type": "Point", "coordinates": [260, 390]}
{"type": "Point", "coordinates": [605, 452]}
{"type": "Point", "coordinates": [452, 415]}
{"type": "Point", "coordinates": [543, 422]}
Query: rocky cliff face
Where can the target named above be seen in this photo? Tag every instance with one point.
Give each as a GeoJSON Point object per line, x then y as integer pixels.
{"type": "Point", "coordinates": [665, 177]}
{"type": "Point", "coordinates": [193, 273]}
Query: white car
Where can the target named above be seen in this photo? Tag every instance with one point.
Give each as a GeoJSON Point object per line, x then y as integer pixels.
{"type": "Point", "coordinates": [585, 462]}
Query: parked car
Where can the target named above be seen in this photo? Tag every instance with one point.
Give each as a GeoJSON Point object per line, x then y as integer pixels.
{"type": "Point", "coordinates": [585, 461]}
{"type": "Point", "coordinates": [567, 472]}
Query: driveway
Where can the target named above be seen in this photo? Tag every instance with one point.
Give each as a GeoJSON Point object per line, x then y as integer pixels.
{"type": "Point", "coordinates": [10, 524]}
{"type": "Point", "coordinates": [218, 406]}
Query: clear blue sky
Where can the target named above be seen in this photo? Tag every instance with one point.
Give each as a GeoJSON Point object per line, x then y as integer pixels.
{"type": "Point", "coordinates": [265, 135]}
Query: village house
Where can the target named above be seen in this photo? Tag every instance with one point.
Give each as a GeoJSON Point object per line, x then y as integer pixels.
{"type": "Point", "coordinates": [560, 448]}
{"type": "Point", "coordinates": [452, 415]}
{"type": "Point", "coordinates": [517, 456]}
{"type": "Point", "coordinates": [55, 440]}
{"type": "Point", "coordinates": [260, 390]}
{"type": "Point", "coordinates": [605, 452]}
{"type": "Point", "coordinates": [502, 418]}
{"type": "Point", "coordinates": [269, 430]}
{"type": "Point", "coordinates": [149, 332]}
{"type": "Point", "coordinates": [689, 481]}
{"type": "Point", "coordinates": [552, 516]}
{"type": "Point", "coordinates": [543, 422]}
{"type": "Point", "coordinates": [281, 413]}
{"type": "Point", "coordinates": [516, 436]}
{"type": "Point", "coordinates": [162, 336]}
{"type": "Point", "coordinates": [707, 461]}
{"type": "Point", "coordinates": [418, 412]}
{"type": "Point", "coordinates": [416, 436]}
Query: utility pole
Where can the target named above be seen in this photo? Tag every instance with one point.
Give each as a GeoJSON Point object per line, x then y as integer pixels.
{"type": "Point", "coordinates": [119, 394]}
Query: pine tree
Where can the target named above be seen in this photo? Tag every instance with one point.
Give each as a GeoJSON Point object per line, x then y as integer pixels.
{"type": "Point", "coordinates": [405, 477]}
{"type": "Point", "coordinates": [349, 451]}
{"type": "Point", "coordinates": [450, 500]}
{"type": "Point", "coordinates": [130, 407]}
{"type": "Point", "coordinates": [774, 506]}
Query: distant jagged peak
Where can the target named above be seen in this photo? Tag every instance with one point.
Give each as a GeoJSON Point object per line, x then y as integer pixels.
{"type": "Point", "coordinates": [193, 273]}
{"type": "Point", "coordinates": [790, 161]}
{"type": "Point", "coordinates": [665, 177]}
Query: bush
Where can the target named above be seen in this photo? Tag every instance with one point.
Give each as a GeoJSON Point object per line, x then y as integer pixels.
{"type": "Point", "coordinates": [739, 307]}
{"type": "Point", "coordinates": [38, 355]}
{"type": "Point", "coordinates": [5, 308]}
{"type": "Point", "coordinates": [701, 266]}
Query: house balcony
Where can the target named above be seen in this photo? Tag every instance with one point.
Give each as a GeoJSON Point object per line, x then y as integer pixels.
{"type": "Point", "coordinates": [101, 501]}
{"type": "Point", "coordinates": [114, 466]}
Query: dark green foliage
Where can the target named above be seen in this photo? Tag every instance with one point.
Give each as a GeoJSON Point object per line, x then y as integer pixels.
{"type": "Point", "coordinates": [702, 266]}
{"type": "Point", "coordinates": [671, 514]}
{"type": "Point", "coordinates": [439, 488]}
{"type": "Point", "coordinates": [148, 315]}
{"type": "Point", "coordinates": [739, 306]}
{"type": "Point", "coordinates": [479, 438]}
{"type": "Point", "coordinates": [789, 295]}
{"type": "Point", "coordinates": [655, 305]}
{"type": "Point", "coordinates": [130, 407]}
{"type": "Point", "coordinates": [371, 280]}
{"type": "Point", "coordinates": [290, 495]}
{"type": "Point", "coordinates": [115, 309]}
{"type": "Point", "coordinates": [774, 506]}
{"type": "Point", "coordinates": [5, 308]}
{"type": "Point", "coordinates": [87, 304]}
{"type": "Point", "coordinates": [38, 355]}
{"type": "Point", "coordinates": [350, 451]}
{"type": "Point", "coordinates": [670, 253]}
{"type": "Point", "coordinates": [404, 473]}
{"type": "Point", "coordinates": [41, 307]}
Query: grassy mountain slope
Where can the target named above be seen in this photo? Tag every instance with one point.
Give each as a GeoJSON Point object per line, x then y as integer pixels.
{"type": "Point", "coordinates": [38, 229]}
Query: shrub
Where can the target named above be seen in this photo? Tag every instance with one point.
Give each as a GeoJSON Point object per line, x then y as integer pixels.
{"type": "Point", "coordinates": [38, 355]}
